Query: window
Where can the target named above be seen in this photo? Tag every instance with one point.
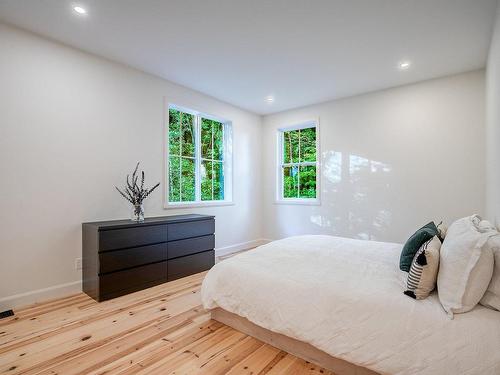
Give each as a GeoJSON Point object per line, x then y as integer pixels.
{"type": "Point", "coordinates": [298, 176]}
{"type": "Point", "coordinates": [199, 158]}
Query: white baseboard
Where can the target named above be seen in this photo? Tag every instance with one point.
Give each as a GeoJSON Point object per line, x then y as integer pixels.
{"type": "Point", "coordinates": [63, 290]}
{"type": "Point", "coordinates": [240, 247]}
{"type": "Point", "coordinates": [40, 295]}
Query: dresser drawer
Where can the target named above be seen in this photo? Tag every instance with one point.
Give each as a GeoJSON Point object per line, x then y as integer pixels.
{"type": "Point", "coordinates": [120, 259]}
{"type": "Point", "coordinates": [179, 231]}
{"type": "Point", "coordinates": [190, 246]}
{"type": "Point", "coordinates": [128, 279]}
{"type": "Point", "coordinates": [190, 264]}
{"type": "Point", "coordinates": [128, 237]}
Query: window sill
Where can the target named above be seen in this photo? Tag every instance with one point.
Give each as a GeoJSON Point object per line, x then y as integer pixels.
{"type": "Point", "coordinates": [173, 206]}
{"type": "Point", "coordinates": [300, 202]}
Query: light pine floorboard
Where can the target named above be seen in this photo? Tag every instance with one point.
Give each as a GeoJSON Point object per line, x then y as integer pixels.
{"type": "Point", "coordinates": [161, 330]}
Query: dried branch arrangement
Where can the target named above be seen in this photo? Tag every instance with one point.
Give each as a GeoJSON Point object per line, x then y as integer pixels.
{"type": "Point", "coordinates": [135, 192]}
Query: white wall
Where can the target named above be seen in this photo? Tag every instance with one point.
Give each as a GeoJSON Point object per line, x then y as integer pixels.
{"type": "Point", "coordinates": [390, 161]}
{"type": "Point", "coordinates": [72, 126]}
{"type": "Point", "coordinates": [493, 126]}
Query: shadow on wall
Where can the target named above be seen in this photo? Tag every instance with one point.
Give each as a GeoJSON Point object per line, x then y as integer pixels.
{"type": "Point", "coordinates": [356, 197]}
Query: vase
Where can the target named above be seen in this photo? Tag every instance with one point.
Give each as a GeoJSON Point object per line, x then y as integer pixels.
{"type": "Point", "coordinates": [137, 212]}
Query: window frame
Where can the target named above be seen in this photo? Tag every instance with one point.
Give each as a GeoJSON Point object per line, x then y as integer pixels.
{"type": "Point", "coordinates": [227, 160]}
{"type": "Point", "coordinates": [279, 198]}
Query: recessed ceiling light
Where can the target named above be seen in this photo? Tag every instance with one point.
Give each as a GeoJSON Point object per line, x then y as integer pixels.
{"type": "Point", "coordinates": [269, 99]}
{"type": "Point", "coordinates": [404, 65]}
{"type": "Point", "coordinates": [80, 10]}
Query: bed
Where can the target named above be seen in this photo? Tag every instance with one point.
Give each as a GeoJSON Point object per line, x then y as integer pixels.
{"type": "Point", "coordinates": [340, 302]}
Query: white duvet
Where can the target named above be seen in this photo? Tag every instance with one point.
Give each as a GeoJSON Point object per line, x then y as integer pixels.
{"type": "Point", "coordinates": [346, 298]}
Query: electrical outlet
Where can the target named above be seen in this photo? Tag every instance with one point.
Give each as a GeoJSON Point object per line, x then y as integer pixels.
{"type": "Point", "coordinates": [78, 263]}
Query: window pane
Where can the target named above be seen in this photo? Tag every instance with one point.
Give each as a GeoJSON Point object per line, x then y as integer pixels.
{"type": "Point", "coordinates": [212, 181]}
{"type": "Point", "coordinates": [187, 128]}
{"type": "Point", "coordinates": [287, 150]}
{"type": "Point", "coordinates": [290, 182]}
{"type": "Point", "coordinates": [291, 146]}
{"type": "Point", "coordinates": [206, 139]}
{"type": "Point", "coordinates": [218, 176]}
{"type": "Point", "coordinates": [173, 179]}
{"type": "Point", "coordinates": [308, 144]}
{"type": "Point", "coordinates": [218, 132]}
{"type": "Point", "coordinates": [307, 179]}
{"type": "Point", "coordinates": [174, 139]}
{"type": "Point", "coordinates": [206, 180]}
{"type": "Point", "coordinates": [187, 180]}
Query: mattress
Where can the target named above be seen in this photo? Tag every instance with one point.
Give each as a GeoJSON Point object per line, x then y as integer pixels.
{"type": "Point", "coordinates": [345, 297]}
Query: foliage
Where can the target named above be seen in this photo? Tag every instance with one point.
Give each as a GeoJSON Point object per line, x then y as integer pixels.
{"type": "Point", "coordinates": [299, 146]}
{"type": "Point", "coordinates": [182, 158]}
{"type": "Point", "coordinates": [135, 192]}
{"type": "Point", "coordinates": [212, 154]}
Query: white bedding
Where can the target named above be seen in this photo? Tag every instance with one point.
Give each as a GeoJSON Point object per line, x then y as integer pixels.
{"type": "Point", "coordinates": [346, 298]}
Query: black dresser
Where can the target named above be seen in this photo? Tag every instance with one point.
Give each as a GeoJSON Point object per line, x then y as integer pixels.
{"type": "Point", "coordinates": [123, 256]}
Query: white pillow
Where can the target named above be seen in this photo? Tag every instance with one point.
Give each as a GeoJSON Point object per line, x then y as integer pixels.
{"type": "Point", "coordinates": [491, 298]}
{"type": "Point", "coordinates": [466, 265]}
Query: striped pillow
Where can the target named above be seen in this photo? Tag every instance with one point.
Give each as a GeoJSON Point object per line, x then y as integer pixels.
{"type": "Point", "coordinates": [423, 272]}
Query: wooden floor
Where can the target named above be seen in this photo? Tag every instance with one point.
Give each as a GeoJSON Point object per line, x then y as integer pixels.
{"type": "Point", "coordinates": [161, 330]}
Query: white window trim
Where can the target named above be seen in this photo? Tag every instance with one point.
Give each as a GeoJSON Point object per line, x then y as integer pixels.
{"type": "Point", "coordinates": [279, 199]}
{"type": "Point", "coordinates": [228, 161]}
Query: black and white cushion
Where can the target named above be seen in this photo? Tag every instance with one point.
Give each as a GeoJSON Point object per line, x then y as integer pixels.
{"type": "Point", "coordinates": [423, 272]}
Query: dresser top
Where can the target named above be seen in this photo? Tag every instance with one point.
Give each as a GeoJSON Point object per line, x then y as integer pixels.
{"type": "Point", "coordinates": [115, 224]}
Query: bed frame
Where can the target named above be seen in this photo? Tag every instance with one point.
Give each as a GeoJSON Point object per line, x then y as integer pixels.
{"type": "Point", "coordinates": [292, 346]}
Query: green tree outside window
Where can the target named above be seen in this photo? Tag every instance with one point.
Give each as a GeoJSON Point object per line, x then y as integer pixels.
{"type": "Point", "coordinates": [299, 163]}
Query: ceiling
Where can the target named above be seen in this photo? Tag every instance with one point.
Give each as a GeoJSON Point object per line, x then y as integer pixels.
{"type": "Point", "coordinates": [299, 51]}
